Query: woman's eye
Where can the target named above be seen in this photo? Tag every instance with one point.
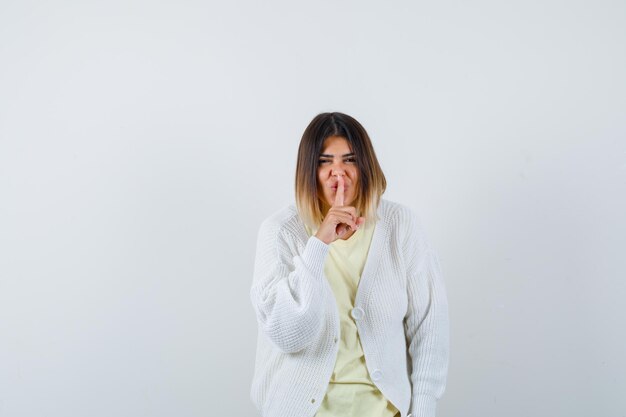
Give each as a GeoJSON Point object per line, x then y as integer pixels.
{"type": "Point", "coordinates": [350, 160]}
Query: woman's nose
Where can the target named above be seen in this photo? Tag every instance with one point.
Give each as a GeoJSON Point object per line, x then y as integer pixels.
{"type": "Point", "coordinates": [338, 172]}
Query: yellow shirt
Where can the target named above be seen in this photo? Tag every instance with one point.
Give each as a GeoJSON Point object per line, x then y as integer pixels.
{"type": "Point", "coordinates": [351, 392]}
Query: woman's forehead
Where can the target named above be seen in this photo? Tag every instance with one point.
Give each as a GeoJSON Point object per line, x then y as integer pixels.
{"type": "Point", "coordinates": [336, 144]}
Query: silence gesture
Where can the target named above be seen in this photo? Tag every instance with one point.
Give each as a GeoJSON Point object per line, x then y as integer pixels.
{"type": "Point", "coordinates": [340, 219]}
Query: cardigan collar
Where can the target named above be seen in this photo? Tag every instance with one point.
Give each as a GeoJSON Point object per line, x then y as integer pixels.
{"type": "Point", "coordinates": [379, 239]}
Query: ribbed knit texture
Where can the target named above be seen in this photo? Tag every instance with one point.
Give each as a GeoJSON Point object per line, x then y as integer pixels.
{"type": "Point", "coordinates": [402, 298]}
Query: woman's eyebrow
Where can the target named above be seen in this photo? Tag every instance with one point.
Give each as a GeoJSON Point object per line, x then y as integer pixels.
{"type": "Point", "coordinates": [330, 155]}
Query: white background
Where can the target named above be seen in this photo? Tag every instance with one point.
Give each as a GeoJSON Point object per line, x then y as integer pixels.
{"type": "Point", "coordinates": [142, 143]}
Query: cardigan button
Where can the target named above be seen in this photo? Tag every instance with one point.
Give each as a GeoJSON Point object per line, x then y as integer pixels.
{"type": "Point", "coordinates": [377, 374]}
{"type": "Point", "coordinates": [357, 313]}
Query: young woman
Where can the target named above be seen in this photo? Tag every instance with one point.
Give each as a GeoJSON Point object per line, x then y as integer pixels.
{"type": "Point", "coordinates": [347, 291]}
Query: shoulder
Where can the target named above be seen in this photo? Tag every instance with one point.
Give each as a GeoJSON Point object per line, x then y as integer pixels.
{"type": "Point", "coordinates": [398, 213]}
{"type": "Point", "coordinates": [404, 221]}
{"type": "Point", "coordinates": [283, 221]}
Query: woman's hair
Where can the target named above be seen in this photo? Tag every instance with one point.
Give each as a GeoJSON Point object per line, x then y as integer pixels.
{"type": "Point", "coordinates": [371, 180]}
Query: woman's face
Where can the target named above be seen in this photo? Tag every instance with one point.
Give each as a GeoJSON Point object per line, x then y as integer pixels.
{"type": "Point", "coordinates": [337, 159]}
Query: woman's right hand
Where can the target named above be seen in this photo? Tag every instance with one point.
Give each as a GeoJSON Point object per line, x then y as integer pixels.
{"type": "Point", "coordinates": [339, 219]}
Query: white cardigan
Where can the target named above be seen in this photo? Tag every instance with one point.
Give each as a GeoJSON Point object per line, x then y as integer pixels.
{"type": "Point", "coordinates": [400, 311]}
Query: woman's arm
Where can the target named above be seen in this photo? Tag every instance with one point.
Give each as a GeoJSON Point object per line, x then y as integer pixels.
{"type": "Point", "coordinates": [426, 323]}
{"type": "Point", "coordinates": [287, 289]}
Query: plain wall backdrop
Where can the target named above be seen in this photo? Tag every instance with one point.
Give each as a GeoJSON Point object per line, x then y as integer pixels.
{"type": "Point", "coordinates": [142, 143]}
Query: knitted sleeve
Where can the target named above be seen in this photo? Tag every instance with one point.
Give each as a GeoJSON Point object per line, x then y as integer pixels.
{"type": "Point", "coordinates": [287, 289]}
{"type": "Point", "coordinates": [426, 322]}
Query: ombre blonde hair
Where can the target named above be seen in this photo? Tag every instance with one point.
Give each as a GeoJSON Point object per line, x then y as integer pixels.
{"type": "Point", "coordinates": [371, 180]}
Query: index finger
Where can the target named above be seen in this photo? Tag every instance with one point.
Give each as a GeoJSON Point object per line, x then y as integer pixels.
{"type": "Point", "coordinates": [339, 194]}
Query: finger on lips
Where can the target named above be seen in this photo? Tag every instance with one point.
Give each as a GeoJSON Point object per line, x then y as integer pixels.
{"type": "Point", "coordinates": [346, 214]}
{"type": "Point", "coordinates": [339, 194]}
